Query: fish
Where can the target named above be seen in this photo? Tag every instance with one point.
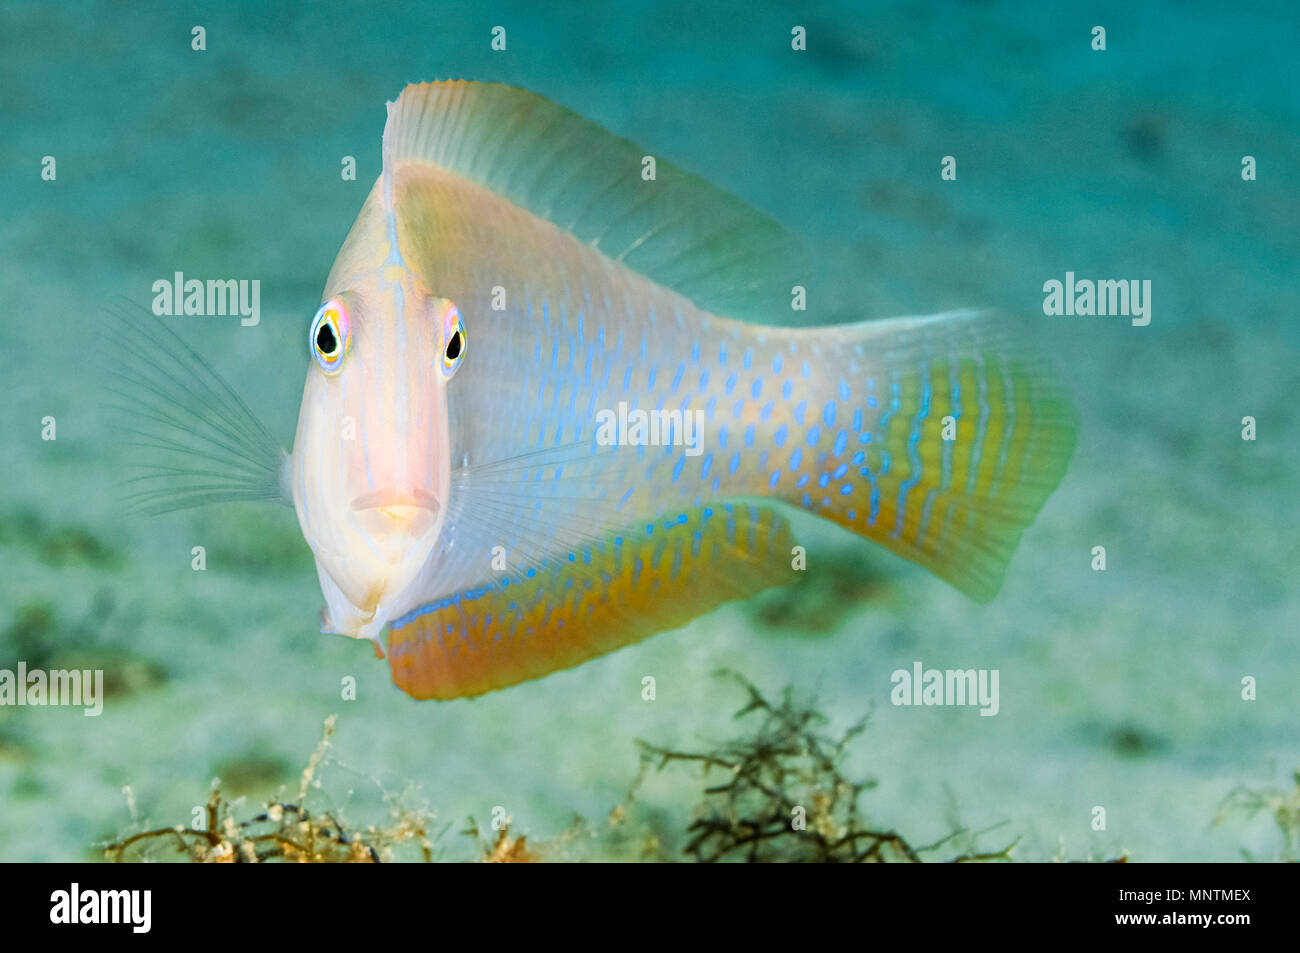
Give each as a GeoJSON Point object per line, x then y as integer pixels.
{"type": "Point", "coordinates": [516, 275]}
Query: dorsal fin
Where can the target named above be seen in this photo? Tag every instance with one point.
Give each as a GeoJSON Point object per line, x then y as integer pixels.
{"type": "Point", "coordinates": [677, 229]}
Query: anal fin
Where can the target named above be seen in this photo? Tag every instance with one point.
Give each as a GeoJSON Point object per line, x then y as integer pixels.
{"type": "Point", "coordinates": [650, 578]}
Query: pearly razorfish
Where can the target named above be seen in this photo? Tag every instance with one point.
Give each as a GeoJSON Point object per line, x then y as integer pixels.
{"type": "Point", "coordinates": [514, 278]}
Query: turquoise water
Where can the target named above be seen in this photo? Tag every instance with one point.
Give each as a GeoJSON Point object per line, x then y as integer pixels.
{"type": "Point", "coordinates": [1119, 689]}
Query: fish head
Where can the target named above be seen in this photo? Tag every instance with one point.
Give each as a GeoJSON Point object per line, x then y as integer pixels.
{"type": "Point", "coordinates": [371, 469]}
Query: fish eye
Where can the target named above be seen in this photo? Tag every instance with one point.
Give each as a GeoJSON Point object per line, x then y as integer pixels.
{"type": "Point", "coordinates": [456, 342]}
{"type": "Point", "coordinates": [329, 335]}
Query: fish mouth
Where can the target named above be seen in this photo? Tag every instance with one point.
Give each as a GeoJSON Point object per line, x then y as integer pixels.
{"type": "Point", "coordinates": [396, 520]}
{"type": "Point", "coordinates": [391, 498]}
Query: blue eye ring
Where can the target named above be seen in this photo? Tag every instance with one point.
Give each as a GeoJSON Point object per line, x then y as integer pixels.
{"type": "Point", "coordinates": [329, 335]}
{"type": "Point", "coordinates": [453, 351]}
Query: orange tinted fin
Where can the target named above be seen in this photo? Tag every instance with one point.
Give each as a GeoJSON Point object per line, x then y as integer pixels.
{"type": "Point", "coordinates": [939, 438]}
{"type": "Point", "coordinates": [651, 578]}
{"type": "Point", "coordinates": [951, 482]}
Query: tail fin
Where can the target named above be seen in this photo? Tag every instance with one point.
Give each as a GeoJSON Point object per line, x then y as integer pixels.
{"type": "Point", "coordinates": [962, 437]}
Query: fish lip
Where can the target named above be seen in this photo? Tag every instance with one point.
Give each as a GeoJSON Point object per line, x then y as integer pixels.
{"type": "Point", "coordinates": [382, 498]}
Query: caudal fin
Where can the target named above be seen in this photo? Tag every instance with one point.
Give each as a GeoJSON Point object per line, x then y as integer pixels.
{"type": "Point", "coordinates": [955, 437]}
